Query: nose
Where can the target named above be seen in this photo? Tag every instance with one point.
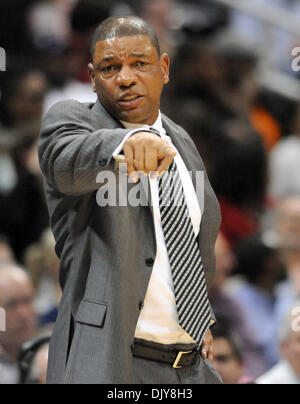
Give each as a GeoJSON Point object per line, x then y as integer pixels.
{"type": "Point", "coordinates": [126, 78]}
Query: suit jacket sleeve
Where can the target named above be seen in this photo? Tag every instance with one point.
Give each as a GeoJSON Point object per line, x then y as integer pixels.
{"type": "Point", "coordinates": [212, 221]}
{"type": "Point", "coordinates": [72, 152]}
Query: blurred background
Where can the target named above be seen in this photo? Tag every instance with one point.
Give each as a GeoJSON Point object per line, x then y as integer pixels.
{"type": "Point", "coordinates": [234, 90]}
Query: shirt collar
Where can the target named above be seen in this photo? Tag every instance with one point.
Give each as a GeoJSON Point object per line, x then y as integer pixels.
{"type": "Point", "coordinates": [157, 125]}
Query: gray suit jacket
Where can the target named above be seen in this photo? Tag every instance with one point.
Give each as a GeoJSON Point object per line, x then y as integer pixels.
{"type": "Point", "coordinates": [106, 253]}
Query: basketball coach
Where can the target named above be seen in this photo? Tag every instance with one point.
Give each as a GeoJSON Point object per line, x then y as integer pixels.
{"type": "Point", "coordinates": [135, 279]}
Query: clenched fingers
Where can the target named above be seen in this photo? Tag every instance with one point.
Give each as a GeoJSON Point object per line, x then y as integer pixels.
{"type": "Point", "coordinates": [207, 347]}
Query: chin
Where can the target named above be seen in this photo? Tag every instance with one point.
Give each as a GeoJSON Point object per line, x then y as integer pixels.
{"type": "Point", "coordinates": [132, 117]}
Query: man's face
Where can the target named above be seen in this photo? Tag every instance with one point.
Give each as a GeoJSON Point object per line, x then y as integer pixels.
{"type": "Point", "coordinates": [288, 225]}
{"type": "Point", "coordinates": [26, 105]}
{"type": "Point", "coordinates": [291, 351]}
{"type": "Point", "coordinates": [16, 298]}
{"type": "Point", "coordinates": [225, 261]}
{"type": "Point", "coordinates": [230, 369]}
{"type": "Point", "coordinates": [129, 76]}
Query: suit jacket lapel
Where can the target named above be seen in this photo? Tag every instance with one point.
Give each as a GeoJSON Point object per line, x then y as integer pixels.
{"type": "Point", "coordinates": [188, 153]}
{"type": "Point", "coordinates": [103, 117]}
{"type": "Point", "coordinates": [179, 139]}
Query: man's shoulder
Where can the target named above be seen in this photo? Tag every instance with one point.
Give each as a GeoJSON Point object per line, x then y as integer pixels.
{"type": "Point", "coordinates": [69, 107]}
{"type": "Point", "coordinates": [171, 123]}
{"type": "Point", "coordinates": [175, 127]}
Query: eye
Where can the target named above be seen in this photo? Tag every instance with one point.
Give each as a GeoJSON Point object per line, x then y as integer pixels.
{"type": "Point", "coordinates": [141, 64]}
{"type": "Point", "coordinates": [107, 69]}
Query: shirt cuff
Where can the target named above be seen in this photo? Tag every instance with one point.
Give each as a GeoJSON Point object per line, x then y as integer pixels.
{"type": "Point", "coordinates": [117, 153]}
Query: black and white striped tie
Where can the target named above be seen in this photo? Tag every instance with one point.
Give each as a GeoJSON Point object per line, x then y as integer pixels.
{"type": "Point", "coordinates": [184, 255]}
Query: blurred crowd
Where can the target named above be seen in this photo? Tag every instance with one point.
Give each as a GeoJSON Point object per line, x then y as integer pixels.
{"type": "Point", "coordinates": [248, 136]}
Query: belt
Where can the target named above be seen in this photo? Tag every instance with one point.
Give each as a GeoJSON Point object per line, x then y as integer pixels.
{"type": "Point", "coordinates": [166, 354]}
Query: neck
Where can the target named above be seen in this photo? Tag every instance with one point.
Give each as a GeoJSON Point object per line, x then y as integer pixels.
{"type": "Point", "coordinates": [149, 122]}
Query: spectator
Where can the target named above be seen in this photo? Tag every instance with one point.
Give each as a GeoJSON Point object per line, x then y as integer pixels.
{"type": "Point", "coordinates": [43, 264]}
{"type": "Point", "coordinates": [253, 28]}
{"type": "Point", "coordinates": [224, 307]}
{"type": "Point", "coordinates": [239, 88]}
{"type": "Point", "coordinates": [8, 175]}
{"type": "Point", "coordinates": [85, 17]}
{"type": "Point", "coordinates": [285, 163]}
{"type": "Point", "coordinates": [239, 178]}
{"type": "Point", "coordinates": [6, 253]}
{"type": "Point", "coordinates": [287, 225]}
{"type": "Point", "coordinates": [260, 270]}
{"type": "Point", "coordinates": [13, 25]}
{"type": "Point", "coordinates": [16, 298]}
{"type": "Point", "coordinates": [229, 312]}
{"type": "Point", "coordinates": [38, 374]}
{"type": "Point", "coordinates": [287, 371]}
{"type": "Point", "coordinates": [197, 73]}
{"type": "Point", "coordinates": [33, 359]}
{"type": "Point", "coordinates": [72, 80]}
{"type": "Point", "coordinates": [49, 23]}
{"type": "Point", "coordinates": [228, 359]}
{"type": "Point", "coordinates": [159, 14]}
{"type": "Point", "coordinates": [23, 213]}
{"type": "Point", "coordinates": [22, 98]}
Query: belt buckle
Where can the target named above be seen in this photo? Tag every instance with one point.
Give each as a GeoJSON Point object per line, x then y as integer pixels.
{"type": "Point", "coordinates": [178, 359]}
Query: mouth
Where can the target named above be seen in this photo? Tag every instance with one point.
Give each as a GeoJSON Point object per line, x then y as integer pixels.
{"type": "Point", "coordinates": [130, 101]}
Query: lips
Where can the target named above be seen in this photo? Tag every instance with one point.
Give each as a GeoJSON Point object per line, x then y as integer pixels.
{"type": "Point", "coordinates": [130, 100]}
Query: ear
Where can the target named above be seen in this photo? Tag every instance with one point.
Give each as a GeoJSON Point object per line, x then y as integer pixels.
{"type": "Point", "coordinates": [91, 70]}
{"type": "Point", "coordinates": [165, 66]}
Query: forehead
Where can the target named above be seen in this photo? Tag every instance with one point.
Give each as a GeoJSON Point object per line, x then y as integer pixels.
{"type": "Point", "coordinates": [14, 285]}
{"type": "Point", "coordinates": [124, 46]}
{"type": "Point", "coordinates": [222, 344]}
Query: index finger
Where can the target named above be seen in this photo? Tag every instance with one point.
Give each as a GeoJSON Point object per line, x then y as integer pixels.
{"type": "Point", "coordinates": [129, 156]}
{"type": "Point", "coordinates": [166, 151]}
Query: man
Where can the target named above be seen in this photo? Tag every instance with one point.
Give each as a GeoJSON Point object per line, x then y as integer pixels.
{"type": "Point", "coordinates": [228, 358]}
{"type": "Point", "coordinates": [134, 306]}
{"type": "Point", "coordinates": [6, 253]}
{"type": "Point", "coordinates": [287, 226]}
{"type": "Point", "coordinates": [287, 371]}
{"type": "Point", "coordinates": [38, 374]}
{"type": "Point", "coordinates": [16, 299]}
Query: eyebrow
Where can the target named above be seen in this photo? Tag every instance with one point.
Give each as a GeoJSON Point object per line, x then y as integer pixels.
{"type": "Point", "coordinates": [138, 55]}
{"type": "Point", "coordinates": [108, 59]}
{"type": "Point", "coordinates": [134, 54]}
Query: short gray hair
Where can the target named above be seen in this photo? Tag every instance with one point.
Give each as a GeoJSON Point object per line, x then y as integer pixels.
{"type": "Point", "coordinates": [118, 27]}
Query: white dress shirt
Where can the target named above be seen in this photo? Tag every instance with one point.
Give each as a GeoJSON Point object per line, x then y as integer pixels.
{"type": "Point", "coordinates": [280, 374]}
{"type": "Point", "coordinates": [158, 321]}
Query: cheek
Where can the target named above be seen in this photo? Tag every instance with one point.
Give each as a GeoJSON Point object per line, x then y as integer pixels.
{"type": "Point", "coordinates": [105, 89]}
{"type": "Point", "coordinates": [155, 87]}
{"type": "Point", "coordinates": [11, 322]}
